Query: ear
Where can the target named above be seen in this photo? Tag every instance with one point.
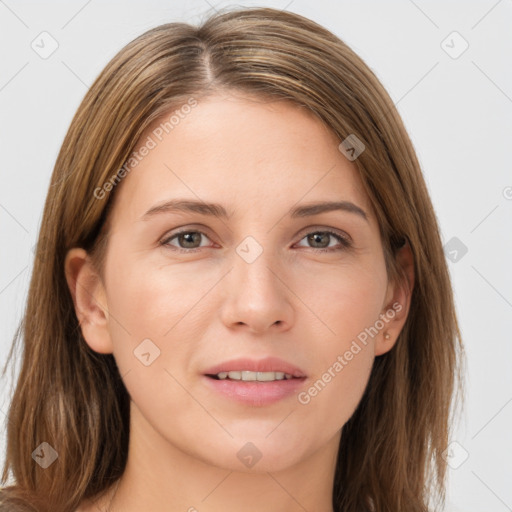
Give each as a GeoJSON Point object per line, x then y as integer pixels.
{"type": "Point", "coordinates": [397, 302]}
{"type": "Point", "coordinates": [89, 298]}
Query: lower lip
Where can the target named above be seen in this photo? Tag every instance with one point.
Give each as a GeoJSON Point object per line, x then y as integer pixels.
{"type": "Point", "coordinates": [256, 393]}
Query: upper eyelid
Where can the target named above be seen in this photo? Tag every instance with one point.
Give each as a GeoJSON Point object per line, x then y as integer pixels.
{"type": "Point", "coordinates": [182, 230]}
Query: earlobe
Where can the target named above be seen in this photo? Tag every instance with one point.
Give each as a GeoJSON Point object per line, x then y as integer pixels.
{"type": "Point", "coordinates": [398, 302]}
{"type": "Point", "coordinates": [89, 300]}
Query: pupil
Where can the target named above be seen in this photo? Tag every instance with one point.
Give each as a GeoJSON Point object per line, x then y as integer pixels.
{"type": "Point", "coordinates": [189, 238]}
{"type": "Point", "coordinates": [315, 237]}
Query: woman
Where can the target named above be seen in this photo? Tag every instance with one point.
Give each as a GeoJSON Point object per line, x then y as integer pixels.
{"type": "Point", "coordinates": [196, 339]}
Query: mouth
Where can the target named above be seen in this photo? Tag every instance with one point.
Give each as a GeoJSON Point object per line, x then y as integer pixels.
{"type": "Point", "coordinates": [261, 370]}
{"type": "Point", "coordinates": [249, 376]}
{"type": "Point", "coordinates": [255, 382]}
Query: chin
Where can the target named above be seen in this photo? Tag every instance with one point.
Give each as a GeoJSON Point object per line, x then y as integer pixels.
{"type": "Point", "coordinates": [257, 454]}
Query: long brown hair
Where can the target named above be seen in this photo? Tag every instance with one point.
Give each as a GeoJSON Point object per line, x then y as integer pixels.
{"type": "Point", "coordinates": [391, 452]}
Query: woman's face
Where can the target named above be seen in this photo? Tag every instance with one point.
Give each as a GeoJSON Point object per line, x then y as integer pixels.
{"type": "Point", "coordinates": [302, 293]}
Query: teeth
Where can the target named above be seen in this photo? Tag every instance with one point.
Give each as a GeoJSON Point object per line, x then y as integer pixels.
{"type": "Point", "coordinates": [254, 376]}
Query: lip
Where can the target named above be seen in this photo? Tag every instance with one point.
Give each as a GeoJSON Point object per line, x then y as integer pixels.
{"type": "Point", "coordinates": [268, 364]}
{"type": "Point", "coordinates": [256, 393]}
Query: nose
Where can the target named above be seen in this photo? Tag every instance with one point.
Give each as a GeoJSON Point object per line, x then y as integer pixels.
{"type": "Point", "coordinates": [257, 296]}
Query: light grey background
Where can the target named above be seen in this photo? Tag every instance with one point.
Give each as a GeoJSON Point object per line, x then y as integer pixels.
{"type": "Point", "coordinates": [458, 112]}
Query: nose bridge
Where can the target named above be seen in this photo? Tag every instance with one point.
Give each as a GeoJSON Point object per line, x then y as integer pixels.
{"type": "Point", "coordinates": [253, 263]}
{"type": "Point", "coordinates": [256, 296]}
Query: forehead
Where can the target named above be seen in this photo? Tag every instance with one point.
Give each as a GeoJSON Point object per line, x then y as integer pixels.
{"type": "Point", "coordinates": [242, 151]}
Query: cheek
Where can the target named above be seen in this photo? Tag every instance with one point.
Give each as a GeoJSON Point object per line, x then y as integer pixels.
{"type": "Point", "coordinates": [151, 307]}
{"type": "Point", "coordinates": [154, 326]}
{"type": "Point", "coordinates": [152, 301]}
{"type": "Point", "coordinates": [336, 388]}
{"type": "Point", "coordinates": [348, 302]}
{"type": "Point", "coordinates": [345, 299]}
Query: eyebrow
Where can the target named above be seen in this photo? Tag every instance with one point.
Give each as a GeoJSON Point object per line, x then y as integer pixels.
{"type": "Point", "coordinates": [217, 210]}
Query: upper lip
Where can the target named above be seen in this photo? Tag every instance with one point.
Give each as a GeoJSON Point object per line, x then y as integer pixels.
{"type": "Point", "coordinates": [268, 364]}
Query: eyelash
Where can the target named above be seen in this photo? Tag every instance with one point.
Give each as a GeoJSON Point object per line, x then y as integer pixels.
{"type": "Point", "coordinates": [344, 241]}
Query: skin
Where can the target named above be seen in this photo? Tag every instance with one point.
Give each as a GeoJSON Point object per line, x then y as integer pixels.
{"type": "Point", "coordinates": [258, 159]}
